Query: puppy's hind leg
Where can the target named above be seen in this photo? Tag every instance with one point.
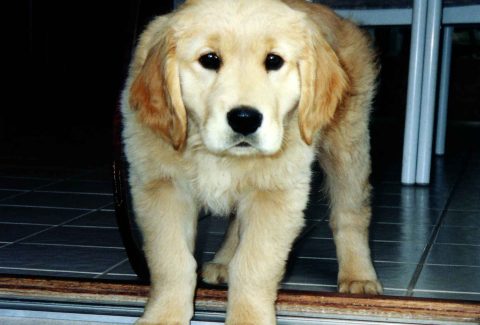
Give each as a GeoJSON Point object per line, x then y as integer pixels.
{"type": "Point", "coordinates": [345, 158]}
{"type": "Point", "coordinates": [216, 271]}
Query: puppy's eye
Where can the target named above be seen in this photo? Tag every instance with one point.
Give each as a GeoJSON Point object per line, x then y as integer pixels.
{"type": "Point", "coordinates": [210, 61]}
{"type": "Point", "coordinates": [273, 62]}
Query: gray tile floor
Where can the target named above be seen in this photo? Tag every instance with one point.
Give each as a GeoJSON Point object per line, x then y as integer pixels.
{"type": "Point", "coordinates": [425, 240]}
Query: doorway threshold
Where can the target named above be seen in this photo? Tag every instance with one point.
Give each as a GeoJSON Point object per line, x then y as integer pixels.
{"type": "Point", "coordinates": [48, 301]}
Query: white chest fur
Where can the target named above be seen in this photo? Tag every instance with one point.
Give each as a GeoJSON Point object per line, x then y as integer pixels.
{"type": "Point", "coordinates": [218, 183]}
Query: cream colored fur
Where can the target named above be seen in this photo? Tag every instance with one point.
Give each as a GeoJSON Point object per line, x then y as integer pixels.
{"type": "Point", "coordinates": [183, 155]}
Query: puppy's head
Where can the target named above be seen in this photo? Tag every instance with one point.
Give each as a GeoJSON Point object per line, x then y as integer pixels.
{"type": "Point", "coordinates": [241, 71]}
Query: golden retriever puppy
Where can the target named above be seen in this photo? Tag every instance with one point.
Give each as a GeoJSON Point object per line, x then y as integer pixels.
{"type": "Point", "coordinates": [227, 104]}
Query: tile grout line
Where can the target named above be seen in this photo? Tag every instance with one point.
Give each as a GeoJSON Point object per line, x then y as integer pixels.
{"type": "Point", "coordinates": [387, 241]}
{"type": "Point", "coordinates": [51, 207]}
{"type": "Point", "coordinates": [449, 291]}
{"type": "Point", "coordinates": [32, 190]}
{"type": "Point", "coordinates": [334, 259]}
{"type": "Point", "coordinates": [133, 276]}
{"type": "Point", "coordinates": [456, 265]}
{"type": "Point", "coordinates": [74, 246]}
{"type": "Point", "coordinates": [47, 270]}
{"type": "Point", "coordinates": [457, 244]}
{"type": "Point", "coordinates": [92, 227]}
{"type": "Point", "coordinates": [20, 192]}
{"type": "Point", "coordinates": [51, 182]}
{"type": "Point", "coordinates": [72, 192]}
{"type": "Point", "coordinates": [110, 268]}
{"type": "Point", "coordinates": [46, 229]}
{"type": "Point", "coordinates": [53, 227]}
{"type": "Point", "coordinates": [51, 168]}
{"type": "Point", "coordinates": [435, 231]}
{"type": "Point", "coordinates": [25, 224]}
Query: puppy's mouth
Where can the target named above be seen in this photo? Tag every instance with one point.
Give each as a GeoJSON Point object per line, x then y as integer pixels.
{"type": "Point", "coordinates": [243, 144]}
{"type": "Point", "coordinates": [243, 147]}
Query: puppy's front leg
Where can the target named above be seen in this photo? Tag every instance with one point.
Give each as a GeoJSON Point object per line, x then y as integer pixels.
{"type": "Point", "coordinates": [167, 218]}
{"type": "Point", "coordinates": [269, 222]}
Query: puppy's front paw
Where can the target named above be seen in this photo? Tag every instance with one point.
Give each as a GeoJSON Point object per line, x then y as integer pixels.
{"type": "Point", "coordinates": [147, 322]}
{"type": "Point", "coordinates": [142, 321]}
{"type": "Point", "coordinates": [215, 273]}
{"type": "Point", "coordinates": [160, 321]}
{"type": "Point", "coordinates": [252, 312]}
{"type": "Point", "coordinates": [167, 310]}
{"type": "Point", "coordinates": [369, 287]}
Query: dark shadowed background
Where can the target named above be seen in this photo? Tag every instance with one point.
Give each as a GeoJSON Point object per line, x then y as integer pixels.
{"type": "Point", "coordinates": [66, 62]}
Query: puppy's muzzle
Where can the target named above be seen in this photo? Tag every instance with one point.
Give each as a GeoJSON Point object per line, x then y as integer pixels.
{"type": "Point", "coordinates": [244, 120]}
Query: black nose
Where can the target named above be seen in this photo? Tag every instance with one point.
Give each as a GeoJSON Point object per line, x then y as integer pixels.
{"type": "Point", "coordinates": [244, 120]}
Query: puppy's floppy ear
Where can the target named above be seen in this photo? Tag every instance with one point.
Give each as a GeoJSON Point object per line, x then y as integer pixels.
{"type": "Point", "coordinates": [156, 95]}
{"type": "Point", "coordinates": [323, 84]}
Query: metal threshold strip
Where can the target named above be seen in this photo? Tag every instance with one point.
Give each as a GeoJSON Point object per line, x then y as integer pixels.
{"type": "Point", "coordinates": [42, 301]}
